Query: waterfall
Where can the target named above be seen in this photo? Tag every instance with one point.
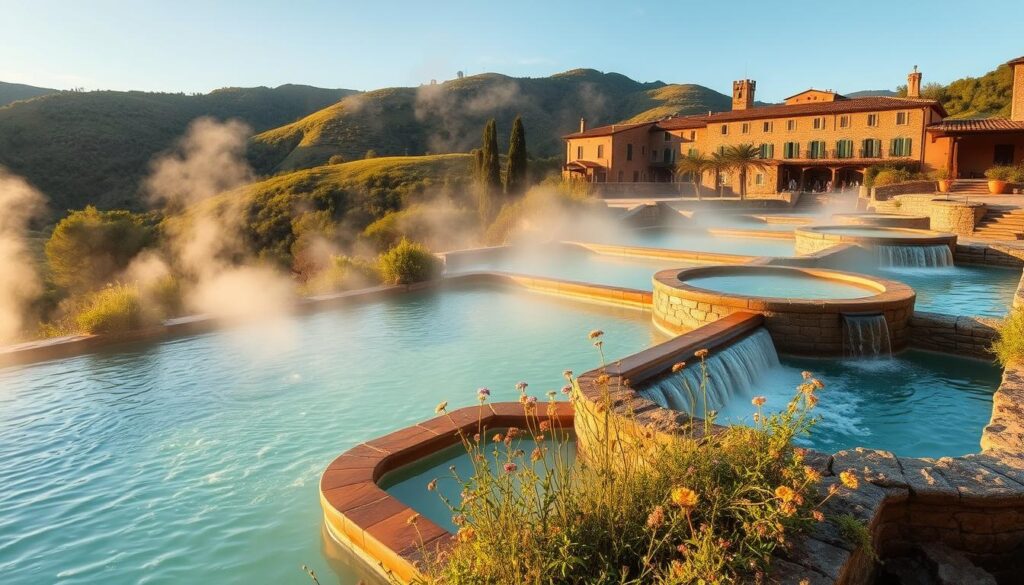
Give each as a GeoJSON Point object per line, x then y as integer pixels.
{"type": "Point", "coordinates": [915, 256]}
{"type": "Point", "coordinates": [866, 336]}
{"type": "Point", "coordinates": [731, 371]}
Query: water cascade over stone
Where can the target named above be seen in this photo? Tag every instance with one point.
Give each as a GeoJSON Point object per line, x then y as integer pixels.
{"type": "Point", "coordinates": [866, 336]}
{"type": "Point", "coordinates": [731, 371]}
{"type": "Point", "coordinates": [915, 256]}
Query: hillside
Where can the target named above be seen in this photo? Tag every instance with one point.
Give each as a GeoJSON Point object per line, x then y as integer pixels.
{"type": "Point", "coordinates": [448, 117]}
{"type": "Point", "coordinates": [871, 93]}
{"type": "Point", "coordinates": [987, 96]}
{"type": "Point", "coordinates": [12, 92]}
{"type": "Point", "coordinates": [94, 147]}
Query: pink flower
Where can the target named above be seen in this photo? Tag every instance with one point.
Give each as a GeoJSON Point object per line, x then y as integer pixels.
{"type": "Point", "coordinates": [510, 467]}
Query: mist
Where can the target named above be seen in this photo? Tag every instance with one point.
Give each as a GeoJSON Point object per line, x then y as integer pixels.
{"type": "Point", "coordinates": [20, 284]}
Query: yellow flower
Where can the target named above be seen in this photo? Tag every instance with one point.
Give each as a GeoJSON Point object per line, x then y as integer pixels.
{"type": "Point", "coordinates": [684, 497]}
{"type": "Point", "coordinates": [849, 479]}
{"type": "Point", "coordinates": [412, 520]}
{"type": "Point", "coordinates": [677, 367]}
{"type": "Point", "coordinates": [441, 407]}
{"type": "Point", "coordinates": [759, 401]}
{"type": "Point", "coordinates": [812, 474]}
{"type": "Point", "coordinates": [785, 493]}
{"type": "Point", "coordinates": [602, 379]}
{"type": "Point", "coordinates": [466, 534]}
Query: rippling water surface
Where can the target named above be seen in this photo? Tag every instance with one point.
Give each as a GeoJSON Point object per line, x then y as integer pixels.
{"type": "Point", "coordinates": [196, 460]}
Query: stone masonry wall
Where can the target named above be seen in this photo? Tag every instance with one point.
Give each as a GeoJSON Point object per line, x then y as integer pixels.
{"type": "Point", "coordinates": [958, 335]}
{"type": "Point", "coordinates": [956, 217]}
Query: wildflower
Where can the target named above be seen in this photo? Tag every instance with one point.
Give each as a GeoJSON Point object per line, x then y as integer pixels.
{"type": "Point", "coordinates": [602, 379]}
{"type": "Point", "coordinates": [512, 432]}
{"type": "Point", "coordinates": [832, 489]}
{"type": "Point", "coordinates": [849, 479]}
{"type": "Point", "coordinates": [483, 393]}
{"type": "Point", "coordinates": [812, 400]}
{"type": "Point", "coordinates": [497, 438]}
{"type": "Point", "coordinates": [441, 408]}
{"type": "Point", "coordinates": [818, 384]}
{"type": "Point", "coordinates": [531, 400]}
{"type": "Point", "coordinates": [684, 497]}
{"type": "Point", "coordinates": [521, 386]}
{"type": "Point", "coordinates": [545, 425]}
{"type": "Point", "coordinates": [466, 534]}
{"type": "Point", "coordinates": [785, 493]}
{"type": "Point", "coordinates": [476, 437]}
{"type": "Point", "coordinates": [552, 394]}
{"type": "Point", "coordinates": [412, 520]}
{"type": "Point", "coordinates": [458, 519]}
{"type": "Point", "coordinates": [811, 473]}
{"type": "Point", "coordinates": [656, 518]}
{"type": "Point", "coordinates": [759, 401]}
{"type": "Point", "coordinates": [432, 486]}
{"type": "Point", "coordinates": [596, 333]}
{"type": "Point", "coordinates": [818, 515]}
{"type": "Point", "coordinates": [806, 375]}
{"type": "Point", "coordinates": [701, 353]}
{"type": "Point", "coordinates": [567, 374]}
{"type": "Point", "coordinates": [567, 390]}
{"type": "Point", "coordinates": [787, 508]}
{"type": "Point", "coordinates": [537, 454]}
{"type": "Point", "coordinates": [678, 367]}
{"type": "Point", "coordinates": [510, 467]}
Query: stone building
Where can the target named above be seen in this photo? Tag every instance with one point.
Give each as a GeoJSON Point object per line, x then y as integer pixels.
{"type": "Point", "coordinates": [814, 137]}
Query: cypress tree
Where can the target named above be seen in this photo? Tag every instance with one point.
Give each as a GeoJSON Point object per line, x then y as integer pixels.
{"type": "Point", "coordinates": [491, 166]}
{"type": "Point", "coordinates": [515, 174]}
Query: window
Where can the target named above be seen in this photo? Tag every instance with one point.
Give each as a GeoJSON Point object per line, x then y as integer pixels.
{"type": "Point", "coordinates": [844, 121]}
{"type": "Point", "coordinates": [791, 150]}
{"type": "Point", "coordinates": [668, 137]}
{"type": "Point", "coordinates": [629, 152]}
{"type": "Point", "coordinates": [816, 149]}
{"type": "Point", "coordinates": [899, 147]}
{"type": "Point", "coordinates": [791, 125]}
{"type": "Point", "coordinates": [725, 129]}
{"type": "Point", "coordinates": [872, 120]}
{"type": "Point", "coordinates": [766, 151]}
{"type": "Point", "coordinates": [871, 148]}
{"type": "Point", "coordinates": [759, 179]}
{"type": "Point", "coordinates": [693, 152]}
{"type": "Point", "coordinates": [767, 126]}
{"type": "Point", "coordinates": [654, 155]}
{"type": "Point", "coordinates": [636, 176]}
{"type": "Point", "coordinates": [818, 123]}
{"type": "Point", "coordinates": [901, 118]}
{"type": "Point", "coordinates": [844, 149]}
{"type": "Point", "coordinates": [693, 134]}
{"type": "Point", "coordinates": [579, 152]}
{"type": "Point", "coordinates": [745, 128]}
{"type": "Point", "coordinates": [668, 155]}
{"type": "Point", "coordinates": [600, 151]}
{"type": "Point", "coordinates": [620, 176]}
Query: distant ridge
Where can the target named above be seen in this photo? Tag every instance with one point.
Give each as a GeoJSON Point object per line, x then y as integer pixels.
{"type": "Point", "coordinates": [871, 93]}
{"type": "Point", "coordinates": [13, 92]}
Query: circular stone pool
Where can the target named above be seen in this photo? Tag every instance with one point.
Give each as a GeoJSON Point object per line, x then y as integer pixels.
{"type": "Point", "coordinates": [804, 308]}
{"type": "Point", "coordinates": [816, 238]}
{"type": "Point", "coordinates": [882, 220]}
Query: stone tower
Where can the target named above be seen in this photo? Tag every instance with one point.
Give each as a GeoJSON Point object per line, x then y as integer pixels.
{"type": "Point", "coordinates": [1017, 101]}
{"type": "Point", "coordinates": [914, 83]}
{"type": "Point", "coordinates": [743, 94]}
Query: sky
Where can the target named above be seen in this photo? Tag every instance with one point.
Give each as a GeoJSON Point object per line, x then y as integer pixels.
{"type": "Point", "coordinates": [787, 46]}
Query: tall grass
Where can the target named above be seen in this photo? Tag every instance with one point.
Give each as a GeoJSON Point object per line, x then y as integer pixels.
{"type": "Point", "coordinates": [1009, 345]}
{"type": "Point", "coordinates": [709, 506]}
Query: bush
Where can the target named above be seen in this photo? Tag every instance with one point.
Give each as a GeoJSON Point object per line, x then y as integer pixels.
{"type": "Point", "coordinates": [114, 309]}
{"type": "Point", "coordinates": [407, 263]}
{"type": "Point", "coordinates": [90, 248]}
{"type": "Point", "coordinates": [706, 507]}
{"type": "Point", "coordinates": [940, 174]}
{"type": "Point", "coordinates": [1009, 345]}
{"type": "Point", "coordinates": [1001, 173]}
{"type": "Point", "coordinates": [336, 159]}
{"type": "Point", "coordinates": [343, 273]}
{"type": "Point", "coordinates": [892, 177]}
{"type": "Point", "coordinates": [439, 225]}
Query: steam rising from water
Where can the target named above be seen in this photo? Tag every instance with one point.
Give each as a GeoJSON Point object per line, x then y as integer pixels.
{"type": "Point", "coordinates": [205, 238]}
{"type": "Point", "coordinates": [19, 282]}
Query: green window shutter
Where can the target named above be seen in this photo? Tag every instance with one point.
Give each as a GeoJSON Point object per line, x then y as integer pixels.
{"type": "Point", "coordinates": [907, 147]}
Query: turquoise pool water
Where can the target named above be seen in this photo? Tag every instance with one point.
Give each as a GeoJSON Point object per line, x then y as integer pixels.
{"type": "Point", "coordinates": [985, 291]}
{"type": "Point", "coordinates": [196, 460]}
{"type": "Point", "coordinates": [797, 286]}
{"type": "Point", "coordinates": [699, 240]}
{"type": "Point", "coordinates": [575, 264]}
{"type": "Point", "coordinates": [875, 232]}
{"type": "Point", "coordinates": [916, 404]}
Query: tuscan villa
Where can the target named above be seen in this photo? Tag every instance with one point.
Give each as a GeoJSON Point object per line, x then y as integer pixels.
{"type": "Point", "coordinates": [813, 137]}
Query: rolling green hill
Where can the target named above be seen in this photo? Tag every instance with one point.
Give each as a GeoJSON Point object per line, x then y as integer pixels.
{"type": "Point", "coordinates": [94, 147]}
{"type": "Point", "coordinates": [448, 117]}
{"type": "Point", "coordinates": [12, 92]}
{"type": "Point", "coordinates": [987, 96]}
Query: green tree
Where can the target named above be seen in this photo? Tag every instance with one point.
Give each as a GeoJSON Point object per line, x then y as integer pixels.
{"type": "Point", "coordinates": [491, 169]}
{"type": "Point", "coordinates": [515, 174]}
{"type": "Point", "coordinates": [695, 165]}
{"type": "Point", "coordinates": [718, 164]}
{"type": "Point", "coordinates": [744, 158]}
{"type": "Point", "coordinates": [90, 248]}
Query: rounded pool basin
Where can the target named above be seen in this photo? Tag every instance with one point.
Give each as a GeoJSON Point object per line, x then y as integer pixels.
{"type": "Point", "coordinates": [796, 285]}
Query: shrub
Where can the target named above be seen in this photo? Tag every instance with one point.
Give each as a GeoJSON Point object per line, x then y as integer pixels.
{"type": "Point", "coordinates": [892, 177]}
{"type": "Point", "coordinates": [89, 248]}
{"type": "Point", "coordinates": [114, 309]}
{"type": "Point", "coordinates": [408, 262]}
{"type": "Point", "coordinates": [1001, 173]}
{"type": "Point", "coordinates": [1009, 344]}
{"type": "Point", "coordinates": [940, 174]}
{"type": "Point", "coordinates": [343, 273]}
{"type": "Point", "coordinates": [710, 506]}
{"type": "Point", "coordinates": [336, 159]}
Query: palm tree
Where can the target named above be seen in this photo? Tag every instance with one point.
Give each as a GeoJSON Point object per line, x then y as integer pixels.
{"type": "Point", "coordinates": [744, 158]}
{"type": "Point", "coordinates": [695, 165]}
{"type": "Point", "coordinates": [719, 163]}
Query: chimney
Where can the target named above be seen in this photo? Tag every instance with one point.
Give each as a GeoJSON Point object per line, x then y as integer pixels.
{"type": "Point", "coordinates": [1017, 101]}
{"type": "Point", "coordinates": [914, 83]}
{"type": "Point", "coordinates": [743, 94]}
{"type": "Point", "coordinates": [583, 125]}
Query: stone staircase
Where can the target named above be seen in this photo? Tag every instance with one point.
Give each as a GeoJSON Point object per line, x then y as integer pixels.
{"type": "Point", "coordinates": [1001, 223]}
{"type": "Point", "coordinates": [969, 187]}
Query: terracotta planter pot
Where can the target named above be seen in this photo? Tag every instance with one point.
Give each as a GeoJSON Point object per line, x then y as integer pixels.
{"type": "Point", "coordinates": [996, 186]}
{"type": "Point", "coordinates": [945, 185]}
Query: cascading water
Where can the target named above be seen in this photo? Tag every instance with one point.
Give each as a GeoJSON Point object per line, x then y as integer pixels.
{"type": "Point", "coordinates": [915, 256]}
{"type": "Point", "coordinates": [866, 336]}
{"type": "Point", "coordinates": [730, 371]}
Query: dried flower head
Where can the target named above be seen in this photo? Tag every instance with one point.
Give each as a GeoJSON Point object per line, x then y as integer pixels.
{"type": "Point", "coordinates": [412, 520]}
{"type": "Point", "coordinates": [441, 408]}
{"type": "Point", "coordinates": [785, 493]}
{"type": "Point", "coordinates": [567, 374]}
{"type": "Point", "coordinates": [818, 515]}
{"type": "Point", "coordinates": [596, 333]}
{"type": "Point", "coordinates": [545, 425]}
{"type": "Point", "coordinates": [806, 375]}
{"type": "Point", "coordinates": [537, 454]}
{"type": "Point", "coordinates": [678, 367]}
{"type": "Point", "coordinates": [701, 353]}
{"type": "Point", "coordinates": [567, 390]}
{"type": "Point", "coordinates": [602, 379]}
{"type": "Point", "coordinates": [521, 386]}
{"type": "Point", "coordinates": [812, 474]}
{"type": "Point", "coordinates": [759, 401]}
{"type": "Point", "coordinates": [510, 467]}
{"type": "Point", "coordinates": [483, 393]}
{"type": "Point", "coordinates": [432, 485]}
{"type": "Point", "coordinates": [656, 518]}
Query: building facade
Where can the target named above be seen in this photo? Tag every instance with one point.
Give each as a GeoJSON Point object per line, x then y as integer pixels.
{"type": "Point", "coordinates": [815, 138]}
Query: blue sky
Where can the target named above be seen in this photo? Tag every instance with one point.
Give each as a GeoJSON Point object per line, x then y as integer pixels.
{"type": "Point", "coordinates": [191, 45]}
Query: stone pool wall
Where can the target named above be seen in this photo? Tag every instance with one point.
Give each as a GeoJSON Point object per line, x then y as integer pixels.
{"type": "Point", "coordinates": [991, 254]}
{"type": "Point", "coordinates": [919, 222]}
{"type": "Point", "coordinates": [803, 327]}
{"type": "Point", "coordinates": [955, 334]}
{"type": "Point", "coordinates": [953, 216]}
{"type": "Point", "coordinates": [814, 239]}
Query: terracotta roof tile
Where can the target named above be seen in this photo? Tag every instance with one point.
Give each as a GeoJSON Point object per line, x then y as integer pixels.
{"type": "Point", "coordinates": [606, 130]}
{"type": "Point", "coordinates": [1017, 61]}
{"type": "Point", "coordinates": [865, 104]}
{"type": "Point", "coordinates": [978, 125]}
